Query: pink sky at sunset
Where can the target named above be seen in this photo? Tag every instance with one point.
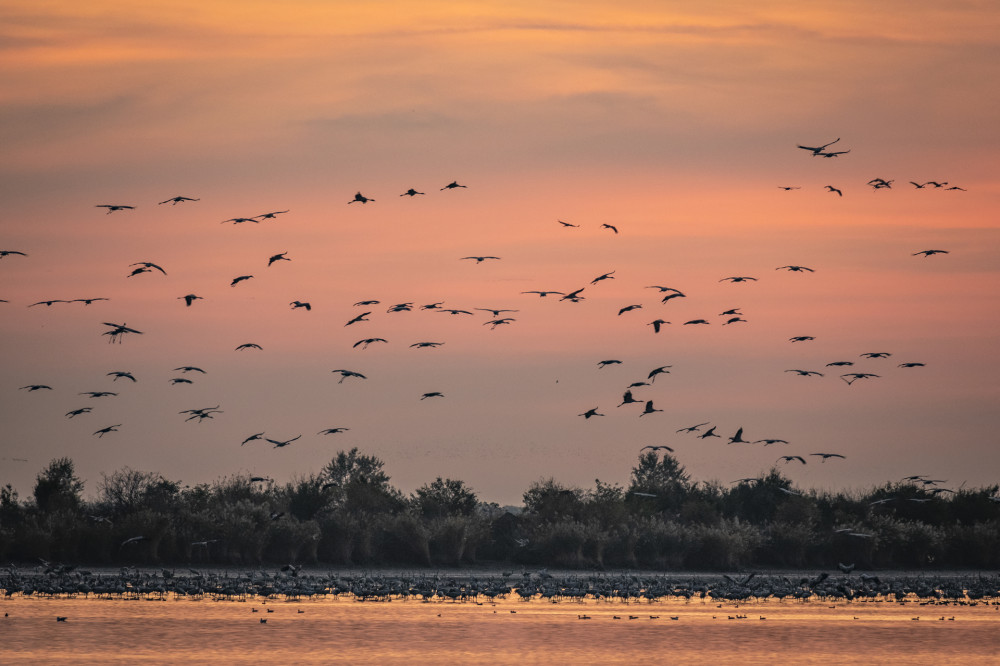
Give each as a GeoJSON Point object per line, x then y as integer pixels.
{"type": "Point", "coordinates": [678, 125]}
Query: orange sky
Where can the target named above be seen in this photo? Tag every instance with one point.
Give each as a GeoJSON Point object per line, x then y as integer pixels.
{"type": "Point", "coordinates": [677, 125]}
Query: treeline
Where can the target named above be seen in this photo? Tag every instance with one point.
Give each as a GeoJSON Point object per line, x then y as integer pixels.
{"type": "Point", "coordinates": [349, 513]}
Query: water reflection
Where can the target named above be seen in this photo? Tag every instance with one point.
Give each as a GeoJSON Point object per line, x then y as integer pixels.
{"type": "Point", "coordinates": [413, 632]}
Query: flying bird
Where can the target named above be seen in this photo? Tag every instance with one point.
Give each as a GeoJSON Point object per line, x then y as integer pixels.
{"type": "Point", "coordinates": [801, 338]}
{"type": "Point", "coordinates": [610, 361]}
{"type": "Point", "coordinates": [190, 368]}
{"type": "Point", "coordinates": [854, 376]}
{"type": "Point", "coordinates": [432, 394]}
{"type": "Point", "coordinates": [410, 192]}
{"type": "Point", "coordinates": [567, 224]}
{"type": "Point", "coordinates": [827, 456]}
{"type": "Point", "coordinates": [543, 294]}
{"type": "Point", "coordinates": [4, 253]}
{"type": "Point", "coordinates": [806, 373]}
{"type": "Point", "coordinates": [628, 399]}
{"type": "Point", "coordinates": [788, 187]}
{"type": "Point", "coordinates": [663, 369]}
{"type": "Point", "coordinates": [98, 394]}
{"type": "Point", "coordinates": [695, 321]}
{"type": "Point", "coordinates": [628, 308]}
{"type": "Point", "coordinates": [241, 220]}
{"type": "Point", "coordinates": [103, 431]}
{"type": "Point", "coordinates": [118, 331]}
{"type": "Point", "coordinates": [694, 428]}
{"type": "Point", "coordinates": [831, 188]}
{"type": "Point", "coordinates": [360, 197]}
{"type": "Point", "coordinates": [738, 438]}
{"type": "Point", "coordinates": [148, 265]}
{"type": "Point", "coordinates": [649, 409]}
{"type": "Point", "coordinates": [911, 364]}
{"type": "Point", "coordinates": [35, 387]}
{"type": "Point", "coordinates": [239, 279]}
{"type": "Point", "coordinates": [928, 253]}
{"type": "Point", "coordinates": [120, 374]}
{"type": "Point", "coordinates": [573, 296]}
{"type": "Point", "coordinates": [114, 207]}
{"type": "Point", "coordinates": [272, 215]}
{"type": "Point", "coordinates": [480, 260]}
{"type": "Point", "coordinates": [819, 149]}
{"type": "Point", "coordinates": [360, 317]}
{"type": "Point", "coordinates": [173, 201]}
{"type": "Point", "coordinates": [590, 412]}
{"type": "Point", "coordinates": [657, 448]}
{"type": "Point", "coordinates": [657, 323]}
{"type": "Point", "coordinates": [709, 433]}
{"type": "Point", "coordinates": [277, 257]}
{"type": "Point", "coordinates": [420, 345]}
{"type": "Point", "coordinates": [189, 299]}
{"type": "Point", "coordinates": [299, 304]}
{"type": "Point", "coordinates": [88, 301]}
{"type": "Point", "coordinates": [737, 279]}
{"type": "Point", "coordinates": [768, 442]}
{"type": "Point", "coordinates": [367, 341]}
{"type": "Point", "coordinates": [48, 303]}
{"type": "Point", "coordinates": [452, 185]}
{"type": "Point", "coordinates": [796, 269]}
{"type": "Point", "coordinates": [279, 443]}
{"type": "Point", "coordinates": [610, 226]}
{"type": "Point", "coordinates": [77, 412]}
{"type": "Point", "coordinates": [876, 355]}
{"type": "Point", "coordinates": [248, 345]}
{"type": "Point", "coordinates": [252, 438]}
{"type": "Point", "coordinates": [344, 374]}
{"type": "Point", "coordinates": [789, 459]}
{"type": "Point", "coordinates": [605, 276]}
{"type": "Point", "coordinates": [333, 431]}
{"type": "Point", "coordinates": [180, 380]}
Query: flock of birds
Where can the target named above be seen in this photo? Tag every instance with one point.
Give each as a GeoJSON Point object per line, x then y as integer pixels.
{"type": "Point", "coordinates": [497, 317]}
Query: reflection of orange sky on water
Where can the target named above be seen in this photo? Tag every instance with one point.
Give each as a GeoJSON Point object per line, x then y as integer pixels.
{"type": "Point", "coordinates": [677, 125]}
{"type": "Point", "coordinates": [331, 631]}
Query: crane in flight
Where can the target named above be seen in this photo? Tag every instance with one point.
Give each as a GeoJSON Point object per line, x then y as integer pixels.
{"type": "Point", "coordinates": [173, 201]}
{"type": "Point", "coordinates": [735, 279]}
{"type": "Point", "coordinates": [189, 299]}
{"type": "Point", "coordinates": [855, 376]}
{"type": "Point", "coordinates": [4, 253]}
{"type": "Point", "coordinates": [421, 345]}
{"type": "Point", "coordinates": [344, 374]}
{"type": "Point", "coordinates": [827, 456]}
{"type": "Point", "coordinates": [252, 438]}
{"type": "Point", "coordinates": [300, 304]}
{"type": "Point", "coordinates": [831, 188]}
{"type": "Point", "coordinates": [277, 257]}
{"type": "Point", "coordinates": [567, 224]}
{"type": "Point", "coordinates": [610, 226]}
{"type": "Point", "coordinates": [118, 331]}
{"type": "Point", "coordinates": [794, 268]}
{"type": "Point", "coordinates": [272, 215]}
{"type": "Point", "coordinates": [410, 193]}
{"type": "Point", "coordinates": [146, 266]}
{"type": "Point", "coordinates": [121, 374]}
{"type": "Point", "coordinates": [190, 368]}
{"type": "Point", "coordinates": [360, 198]}
{"type": "Point", "coordinates": [367, 341]}
{"type": "Point", "coordinates": [819, 149]}
{"type": "Point", "coordinates": [249, 345]}
{"type": "Point", "coordinates": [801, 338]}
{"type": "Point", "coordinates": [114, 207]}
{"type": "Point", "coordinates": [76, 412]}
{"type": "Point", "coordinates": [103, 431]}
{"type": "Point", "coordinates": [928, 253]}
{"type": "Point", "coordinates": [657, 448]}
{"type": "Point", "coordinates": [452, 185]}
{"type": "Point", "coordinates": [280, 443]}
{"type": "Point", "coordinates": [590, 412]}
{"type": "Point", "coordinates": [657, 324]}
{"type": "Point", "coordinates": [806, 373]}
{"type": "Point", "coordinates": [694, 428]}
{"type": "Point", "coordinates": [333, 431]}
{"type": "Point", "coordinates": [237, 280]}
{"type": "Point", "coordinates": [789, 459]}
{"type": "Point", "coordinates": [480, 260]}
{"type": "Point", "coordinates": [649, 409]}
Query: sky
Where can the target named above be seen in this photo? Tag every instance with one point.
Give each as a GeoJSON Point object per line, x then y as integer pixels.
{"type": "Point", "coordinates": [677, 124]}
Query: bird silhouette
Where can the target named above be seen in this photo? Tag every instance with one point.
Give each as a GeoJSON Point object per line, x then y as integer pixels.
{"type": "Point", "coordinates": [663, 369]}
{"type": "Point", "coordinates": [605, 276]}
{"type": "Point", "coordinates": [796, 269]}
{"type": "Point", "coordinates": [180, 380]}
{"type": "Point", "coordinates": [649, 409]}
{"type": "Point", "coordinates": [543, 294]}
{"type": "Point", "coordinates": [818, 149]}
{"type": "Point", "coordinates": [367, 341]}
{"type": "Point", "coordinates": [854, 376]}
{"type": "Point", "coordinates": [876, 355]}
{"type": "Point", "coordinates": [801, 338]}
{"type": "Point", "coordinates": [4, 253]}
{"type": "Point", "coordinates": [421, 345]}
{"type": "Point", "coordinates": [480, 260]}
{"type": "Point", "coordinates": [88, 301]}
{"type": "Point", "coordinates": [277, 257]}
{"type": "Point", "coordinates": [610, 361]}
{"type": "Point", "coordinates": [831, 188]}
{"type": "Point", "coordinates": [928, 253]}
{"type": "Point", "coordinates": [694, 428]}
{"type": "Point", "coordinates": [239, 279]}
{"type": "Point", "coordinates": [118, 331]}
{"type": "Point", "coordinates": [148, 265]}
{"type": "Point", "coordinates": [114, 207]}
{"type": "Point", "coordinates": [410, 193]}
{"type": "Point", "coordinates": [590, 412]}
{"type": "Point", "coordinates": [452, 185]}
{"type": "Point", "coordinates": [610, 226]}
{"type": "Point", "coordinates": [252, 438]}
{"type": "Point", "coordinates": [190, 368]}
{"type": "Point", "coordinates": [333, 431]}
{"type": "Point", "coordinates": [735, 279]}
{"type": "Point", "coordinates": [270, 216]}
{"type": "Point", "coordinates": [628, 308]}
{"type": "Point", "coordinates": [77, 412]}
{"type": "Point", "coordinates": [768, 442]}
{"type": "Point", "coordinates": [628, 399]}
{"type": "Point", "coordinates": [567, 224]}
{"type": "Point", "coordinates": [657, 324]}
{"type": "Point", "coordinates": [189, 299]}
{"type": "Point", "coordinates": [241, 220]}
{"type": "Point", "coordinates": [176, 200]}
{"type": "Point", "coordinates": [827, 456]}
{"type": "Point", "coordinates": [360, 198]}
{"type": "Point", "coordinates": [121, 374]}
{"type": "Point", "coordinates": [573, 296]}
{"type": "Point", "coordinates": [281, 443]}
{"type": "Point", "coordinates": [344, 374]}
{"type": "Point", "coordinates": [299, 304]}
{"type": "Point", "coordinates": [248, 345]}
{"type": "Point", "coordinates": [911, 364]}
{"type": "Point", "coordinates": [48, 303]}
{"type": "Point", "coordinates": [709, 433]}
{"type": "Point", "coordinates": [360, 317]}
{"type": "Point", "coordinates": [806, 373]}
{"type": "Point", "coordinates": [738, 438]}
{"type": "Point", "coordinates": [789, 459]}
{"type": "Point", "coordinates": [30, 388]}
{"type": "Point", "coordinates": [695, 321]}
{"type": "Point", "coordinates": [103, 431]}
{"type": "Point", "coordinates": [658, 447]}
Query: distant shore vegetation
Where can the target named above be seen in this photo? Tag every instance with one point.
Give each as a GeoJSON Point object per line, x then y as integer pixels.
{"type": "Point", "coordinates": [348, 513]}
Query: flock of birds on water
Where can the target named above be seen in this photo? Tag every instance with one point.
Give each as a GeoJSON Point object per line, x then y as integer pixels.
{"type": "Point", "coordinates": [877, 362]}
{"type": "Point", "coordinates": [290, 582]}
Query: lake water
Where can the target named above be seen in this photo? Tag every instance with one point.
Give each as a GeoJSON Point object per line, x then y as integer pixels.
{"type": "Point", "coordinates": [342, 630]}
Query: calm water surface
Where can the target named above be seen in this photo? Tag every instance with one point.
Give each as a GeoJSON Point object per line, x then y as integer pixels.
{"type": "Point", "coordinates": [101, 631]}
